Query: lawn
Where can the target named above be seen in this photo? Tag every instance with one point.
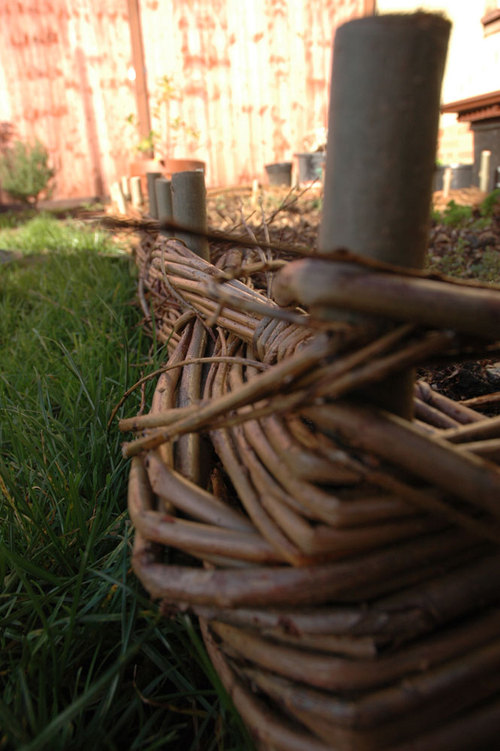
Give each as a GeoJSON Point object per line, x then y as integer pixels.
{"type": "Point", "coordinates": [85, 659]}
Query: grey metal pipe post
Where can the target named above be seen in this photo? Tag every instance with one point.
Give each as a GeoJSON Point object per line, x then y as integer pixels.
{"type": "Point", "coordinates": [164, 203]}
{"type": "Point", "coordinates": [151, 178]}
{"type": "Point", "coordinates": [382, 135]}
{"type": "Point", "coordinates": [189, 206]}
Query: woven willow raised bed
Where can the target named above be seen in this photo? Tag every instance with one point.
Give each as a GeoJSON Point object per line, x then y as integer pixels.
{"type": "Point", "coordinates": [343, 562]}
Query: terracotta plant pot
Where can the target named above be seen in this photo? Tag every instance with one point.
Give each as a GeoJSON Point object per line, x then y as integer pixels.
{"type": "Point", "coordinates": [182, 165]}
{"type": "Point", "coordinates": [139, 168]}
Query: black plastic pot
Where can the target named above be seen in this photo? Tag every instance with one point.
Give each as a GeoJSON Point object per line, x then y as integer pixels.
{"type": "Point", "coordinates": [279, 173]}
{"type": "Point", "coordinates": [461, 176]}
{"type": "Point", "coordinates": [311, 165]}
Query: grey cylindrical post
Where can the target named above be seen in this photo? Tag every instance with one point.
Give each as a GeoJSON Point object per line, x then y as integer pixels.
{"type": "Point", "coordinates": [164, 204]}
{"type": "Point", "coordinates": [383, 124]}
{"type": "Point", "coordinates": [151, 178]}
{"type": "Point", "coordinates": [189, 209]}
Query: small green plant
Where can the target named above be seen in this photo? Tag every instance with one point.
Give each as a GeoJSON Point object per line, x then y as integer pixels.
{"type": "Point", "coordinates": [458, 216]}
{"type": "Point", "coordinates": [487, 269]}
{"type": "Point", "coordinates": [489, 204]}
{"type": "Point", "coordinates": [25, 172]}
{"type": "Point", "coordinates": [7, 132]}
{"type": "Point", "coordinates": [164, 136]}
{"type": "Point", "coordinates": [455, 215]}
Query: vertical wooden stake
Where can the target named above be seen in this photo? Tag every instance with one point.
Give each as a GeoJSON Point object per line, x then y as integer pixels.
{"type": "Point", "coordinates": [383, 123]}
{"type": "Point", "coordinates": [255, 194]}
{"type": "Point", "coordinates": [125, 187]}
{"type": "Point", "coordinates": [118, 198]}
{"type": "Point", "coordinates": [164, 203]}
{"type": "Point", "coordinates": [448, 174]}
{"type": "Point", "coordinates": [189, 206]}
{"type": "Point", "coordinates": [484, 171]}
{"type": "Point", "coordinates": [136, 196]}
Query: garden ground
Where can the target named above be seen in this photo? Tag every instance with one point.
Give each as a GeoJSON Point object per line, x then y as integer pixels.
{"type": "Point", "coordinates": [84, 657]}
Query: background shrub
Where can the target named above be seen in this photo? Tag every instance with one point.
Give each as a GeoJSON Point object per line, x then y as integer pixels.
{"type": "Point", "coordinates": [25, 172]}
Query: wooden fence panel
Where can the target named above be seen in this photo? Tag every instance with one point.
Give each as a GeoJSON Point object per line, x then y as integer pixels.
{"type": "Point", "coordinates": [64, 81]}
{"type": "Point", "coordinates": [252, 77]}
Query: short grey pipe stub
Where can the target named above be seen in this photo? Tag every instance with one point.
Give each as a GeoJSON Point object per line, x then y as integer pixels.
{"type": "Point", "coordinates": [189, 206]}
{"type": "Point", "coordinates": [164, 204]}
{"type": "Point", "coordinates": [151, 178]}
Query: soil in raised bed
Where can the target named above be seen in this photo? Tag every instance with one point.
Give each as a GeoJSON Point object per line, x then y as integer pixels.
{"type": "Point", "coordinates": [293, 218]}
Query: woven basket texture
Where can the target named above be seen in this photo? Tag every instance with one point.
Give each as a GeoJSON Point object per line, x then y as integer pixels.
{"type": "Point", "coordinates": [343, 562]}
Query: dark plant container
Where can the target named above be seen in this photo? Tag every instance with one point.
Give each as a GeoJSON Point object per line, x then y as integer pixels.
{"type": "Point", "coordinates": [311, 165]}
{"type": "Point", "coordinates": [279, 173]}
{"type": "Point", "coordinates": [461, 176]}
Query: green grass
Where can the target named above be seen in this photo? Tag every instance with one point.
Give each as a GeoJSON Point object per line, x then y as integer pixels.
{"type": "Point", "coordinates": [85, 661]}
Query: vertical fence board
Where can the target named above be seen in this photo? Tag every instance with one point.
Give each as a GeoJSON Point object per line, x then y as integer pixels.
{"type": "Point", "coordinates": [252, 77]}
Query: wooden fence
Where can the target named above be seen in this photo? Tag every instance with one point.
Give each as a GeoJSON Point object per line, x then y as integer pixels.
{"type": "Point", "coordinates": [251, 77]}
